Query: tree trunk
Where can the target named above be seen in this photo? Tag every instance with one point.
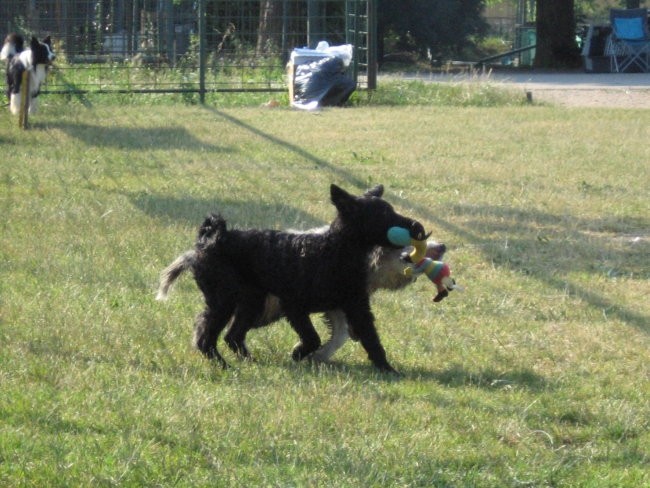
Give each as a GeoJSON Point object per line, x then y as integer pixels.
{"type": "Point", "coordinates": [267, 34]}
{"type": "Point", "coordinates": [556, 45]}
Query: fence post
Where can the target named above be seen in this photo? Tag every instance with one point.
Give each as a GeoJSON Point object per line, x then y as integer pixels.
{"type": "Point", "coordinates": [202, 51]}
{"type": "Point", "coordinates": [372, 44]}
{"type": "Point", "coordinates": [24, 101]}
{"type": "Point", "coordinates": [315, 23]}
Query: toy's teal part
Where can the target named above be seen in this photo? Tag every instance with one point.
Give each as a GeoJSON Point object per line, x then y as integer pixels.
{"type": "Point", "coordinates": [399, 236]}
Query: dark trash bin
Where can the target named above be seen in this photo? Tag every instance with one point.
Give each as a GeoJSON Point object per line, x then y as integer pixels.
{"type": "Point", "coordinates": [324, 81]}
{"type": "Point", "coordinates": [319, 77]}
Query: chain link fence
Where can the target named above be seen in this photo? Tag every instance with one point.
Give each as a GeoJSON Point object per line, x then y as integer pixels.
{"type": "Point", "coordinates": [187, 46]}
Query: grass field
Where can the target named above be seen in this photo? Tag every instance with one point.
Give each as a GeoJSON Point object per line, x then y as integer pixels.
{"type": "Point", "coordinates": [537, 375]}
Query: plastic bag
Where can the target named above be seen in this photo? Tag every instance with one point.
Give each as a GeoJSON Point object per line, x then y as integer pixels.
{"type": "Point", "coordinates": [320, 77]}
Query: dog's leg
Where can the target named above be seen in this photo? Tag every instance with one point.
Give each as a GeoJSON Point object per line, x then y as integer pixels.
{"type": "Point", "coordinates": [209, 325]}
{"type": "Point", "coordinates": [14, 103]}
{"type": "Point", "coordinates": [309, 338]}
{"type": "Point", "coordinates": [236, 340]}
{"type": "Point", "coordinates": [247, 316]}
{"type": "Point", "coordinates": [33, 105]}
{"type": "Point", "coordinates": [362, 326]}
{"type": "Point", "coordinates": [335, 320]}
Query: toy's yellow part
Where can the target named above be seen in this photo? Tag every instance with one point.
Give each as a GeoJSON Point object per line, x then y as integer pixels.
{"type": "Point", "coordinates": [408, 272]}
{"type": "Point", "coordinates": [419, 250]}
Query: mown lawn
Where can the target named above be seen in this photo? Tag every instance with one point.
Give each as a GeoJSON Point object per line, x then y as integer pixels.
{"type": "Point", "coordinates": [537, 375]}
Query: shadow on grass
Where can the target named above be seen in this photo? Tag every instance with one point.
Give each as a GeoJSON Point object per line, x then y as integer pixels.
{"type": "Point", "coordinates": [548, 247]}
{"type": "Point", "coordinates": [237, 213]}
{"type": "Point", "coordinates": [121, 137]}
{"type": "Point", "coordinates": [300, 151]}
{"type": "Point", "coordinates": [456, 376]}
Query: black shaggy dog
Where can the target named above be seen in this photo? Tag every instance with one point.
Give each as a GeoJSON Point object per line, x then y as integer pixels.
{"type": "Point", "coordinates": [308, 272]}
{"type": "Point", "coordinates": [385, 272]}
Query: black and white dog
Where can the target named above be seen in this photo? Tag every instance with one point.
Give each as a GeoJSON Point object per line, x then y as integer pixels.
{"type": "Point", "coordinates": [36, 59]}
{"type": "Point", "coordinates": [308, 272]}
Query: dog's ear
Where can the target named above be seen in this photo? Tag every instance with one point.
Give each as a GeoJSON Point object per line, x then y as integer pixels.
{"type": "Point", "coordinates": [34, 44]}
{"type": "Point", "coordinates": [377, 191]}
{"type": "Point", "coordinates": [48, 41]}
{"type": "Point", "coordinates": [342, 200]}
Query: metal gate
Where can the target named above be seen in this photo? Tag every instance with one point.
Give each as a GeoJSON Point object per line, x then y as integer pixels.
{"type": "Point", "coordinates": [188, 46]}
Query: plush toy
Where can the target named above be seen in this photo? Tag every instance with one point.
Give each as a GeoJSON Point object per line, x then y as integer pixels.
{"type": "Point", "coordinates": [439, 274]}
{"type": "Point", "coordinates": [437, 271]}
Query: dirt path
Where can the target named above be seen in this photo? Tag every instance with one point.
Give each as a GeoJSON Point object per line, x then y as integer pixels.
{"type": "Point", "coordinates": [592, 97]}
{"type": "Point", "coordinates": [607, 90]}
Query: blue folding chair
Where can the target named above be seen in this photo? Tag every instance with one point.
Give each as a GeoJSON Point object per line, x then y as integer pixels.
{"type": "Point", "coordinates": [629, 43]}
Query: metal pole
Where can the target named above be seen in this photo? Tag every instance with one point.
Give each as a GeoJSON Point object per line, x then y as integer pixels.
{"type": "Point", "coordinates": [311, 23]}
{"type": "Point", "coordinates": [372, 44]}
{"type": "Point", "coordinates": [169, 31]}
{"type": "Point", "coordinates": [135, 29]}
{"type": "Point", "coordinates": [24, 101]}
{"type": "Point", "coordinates": [351, 30]}
{"type": "Point", "coordinates": [285, 54]}
{"type": "Point", "coordinates": [202, 51]}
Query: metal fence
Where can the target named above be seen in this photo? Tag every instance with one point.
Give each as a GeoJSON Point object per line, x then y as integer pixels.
{"type": "Point", "coordinates": [193, 46]}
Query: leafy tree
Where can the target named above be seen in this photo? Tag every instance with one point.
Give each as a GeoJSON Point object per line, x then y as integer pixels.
{"type": "Point", "coordinates": [439, 28]}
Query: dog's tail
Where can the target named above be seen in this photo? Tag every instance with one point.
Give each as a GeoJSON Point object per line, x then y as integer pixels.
{"type": "Point", "coordinates": [171, 273]}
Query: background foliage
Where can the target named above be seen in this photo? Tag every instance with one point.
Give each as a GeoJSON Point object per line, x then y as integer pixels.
{"type": "Point", "coordinates": [438, 30]}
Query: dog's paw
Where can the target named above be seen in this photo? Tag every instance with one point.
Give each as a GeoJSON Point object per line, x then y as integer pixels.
{"type": "Point", "coordinates": [392, 372]}
{"type": "Point", "coordinates": [301, 352]}
{"type": "Point", "coordinates": [387, 369]}
{"type": "Point", "coordinates": [319, 357]}
{"type": "Point", "coordinates": [297, 354]}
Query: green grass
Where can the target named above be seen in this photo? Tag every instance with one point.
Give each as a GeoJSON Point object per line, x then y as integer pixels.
{"type": "Point", "coordinates": [536, 375]}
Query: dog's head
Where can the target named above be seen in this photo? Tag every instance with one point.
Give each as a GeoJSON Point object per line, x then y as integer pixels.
{"type": "Point", "coordinates": [370, 217]}
{"type": "Point", "coordinates": [13, 45]}
{"type": "Point", "coordinates": [42, 52]}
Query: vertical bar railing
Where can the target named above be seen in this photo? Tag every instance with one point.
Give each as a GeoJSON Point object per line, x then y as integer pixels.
{"type": "Point", "coordinates": [371, 43]}
{"type": "Point", "coordinates": [202, 50]}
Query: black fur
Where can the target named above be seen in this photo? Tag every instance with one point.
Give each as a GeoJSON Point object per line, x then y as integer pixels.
{"type": "Point", "coordinates": [13, 45]}
{"type": "Point", "coordinates": [385, 271]}
{"type": "Point", "coordinates": [308, 272]}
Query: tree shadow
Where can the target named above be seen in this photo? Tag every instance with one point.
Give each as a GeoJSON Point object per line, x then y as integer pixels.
{"type": "Point", "coordinates": [250, 213]}
{"type": "Point", "coordinates": [139, 138]}
{"type": "Point", "coordinates": [300, 151]}
{"type": "Point", "coordinates": [550, 247]}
